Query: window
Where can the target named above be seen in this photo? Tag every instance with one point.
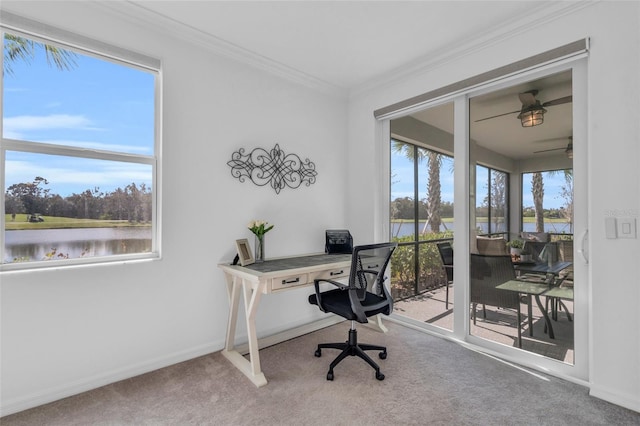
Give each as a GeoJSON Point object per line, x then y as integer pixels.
{"type": "Point", "coordinates": [492, 201]}
{"type": "Point", "coordinates": [421, 214]}
{"type": "Point", "coordinates": [78, 152]}
{"type": "Point", "coordinates": [547, 202]}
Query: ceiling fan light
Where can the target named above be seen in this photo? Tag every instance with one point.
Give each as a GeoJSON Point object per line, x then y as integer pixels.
{"type": "Point", "coordinates": [569, 151]}
{"type": "Point", "coordinates": [532, 115]}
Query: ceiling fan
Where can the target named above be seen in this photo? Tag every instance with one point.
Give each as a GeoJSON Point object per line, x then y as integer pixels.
{"type": "Point", "coordinates": [568, 149]}
{"type": "Point", "coordinates": [532, 109]}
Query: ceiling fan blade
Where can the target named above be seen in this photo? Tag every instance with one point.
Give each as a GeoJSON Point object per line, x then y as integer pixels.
{"type": "Point", "coordinates": [558, 101]}
{"type": "Point", "coordinates": [548, 150]}
{"type": "Point", "coordinates": [499, 115]}
{"type": "Point", "coordinates": [540, 141]}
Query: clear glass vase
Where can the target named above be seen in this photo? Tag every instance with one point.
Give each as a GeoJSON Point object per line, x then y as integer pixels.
{"type": "Point", "coordinates": [259, 246]}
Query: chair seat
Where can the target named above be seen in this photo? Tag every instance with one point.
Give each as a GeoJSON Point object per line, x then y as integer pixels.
{"type": "Point", "coordinates": [337, 301]}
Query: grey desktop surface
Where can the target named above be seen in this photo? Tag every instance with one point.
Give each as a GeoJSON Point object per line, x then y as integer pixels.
{"type": "Point", "coordinates": [298, 262]}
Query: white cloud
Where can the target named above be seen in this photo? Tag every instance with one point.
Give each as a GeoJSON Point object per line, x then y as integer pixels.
{"type": "Point", "coordinates": [24, 123]}
{"type": "Point", "coordinates": [102, 146]}
{"type": "Point", "coordinates": [67, 175]}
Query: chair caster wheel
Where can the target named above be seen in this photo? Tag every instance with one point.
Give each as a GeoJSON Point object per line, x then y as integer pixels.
{"type": "Point", "coordinates": [383, 355]}
{"type": "Point", "coordinates": [330, 375]}
{"type": "Point", "coordinates": [379, 375]}
{"type": "Point", "coordinates": [318, 353]}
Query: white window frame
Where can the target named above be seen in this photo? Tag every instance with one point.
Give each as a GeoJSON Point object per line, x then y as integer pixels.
{"type": "Point", "coordinates": [42, 33]}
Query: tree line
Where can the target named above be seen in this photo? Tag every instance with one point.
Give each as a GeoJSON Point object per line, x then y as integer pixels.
{"type": "Point", "coordinates": [132, 203]}
{"type": "Point", "coordinates": [403, 208]}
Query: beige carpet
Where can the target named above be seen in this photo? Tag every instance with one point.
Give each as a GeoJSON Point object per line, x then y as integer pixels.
{"type": "Point", "coordinates": [429, 381]}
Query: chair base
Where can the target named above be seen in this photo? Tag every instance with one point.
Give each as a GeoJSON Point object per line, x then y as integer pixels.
{"type": "Point", "coordinates": [352, 348]}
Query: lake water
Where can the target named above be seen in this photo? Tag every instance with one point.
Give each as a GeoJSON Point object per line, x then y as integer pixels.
{"type": "Point", "coordinates": [34, 245]}
{"type": "Point", "coordinates": [404, 229]}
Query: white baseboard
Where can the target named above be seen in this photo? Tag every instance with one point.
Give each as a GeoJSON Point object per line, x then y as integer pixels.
{"type": "Point", "coordinates": [83, 385]}
{"type": "Point", "coordinates": [615, 397]}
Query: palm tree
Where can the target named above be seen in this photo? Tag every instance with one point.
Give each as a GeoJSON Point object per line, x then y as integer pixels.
{"type": "Point", "coordinates": [434, 199]}
{"type": "Point", "coordinates": [567, 194]}
{"type": "Point", "coordinates": [20, 48]}
{"type": "Point", "coordinates": [537, 190]}
{"type": "Point", "coordinates": [434, 161]}
{"type": "Point", "coordinates": [498, 207]}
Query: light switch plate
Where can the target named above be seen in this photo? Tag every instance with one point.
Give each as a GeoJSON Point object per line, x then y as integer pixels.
{"type": "Point", "coordinates": [626, 227]}
{"type": "Point", "coordinates": [610, 227]}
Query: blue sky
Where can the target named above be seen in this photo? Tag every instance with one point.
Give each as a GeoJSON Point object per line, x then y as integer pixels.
{"type": "Point", "coordinates": [402, 183]}
{"type": "Point", "coordinates": [97, 105]}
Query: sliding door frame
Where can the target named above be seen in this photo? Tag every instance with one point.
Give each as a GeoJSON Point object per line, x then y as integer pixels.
{"type": "Point", "coordinates": [464, 192]}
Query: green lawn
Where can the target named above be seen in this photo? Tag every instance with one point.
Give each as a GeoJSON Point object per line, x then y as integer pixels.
{"type": "Point", "coordinates": [54, 222]}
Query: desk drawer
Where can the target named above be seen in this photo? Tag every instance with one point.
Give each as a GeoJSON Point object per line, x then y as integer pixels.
{"type": "Point", "coordinates": [332, 274]}
{"type": "Point", "coordinates": [289, 281]}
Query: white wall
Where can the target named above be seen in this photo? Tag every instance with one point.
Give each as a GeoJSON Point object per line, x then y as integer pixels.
{"type": "Point", "coordinates": [68, 330]}
{"type": "Point", "coordinates": [613, 155]}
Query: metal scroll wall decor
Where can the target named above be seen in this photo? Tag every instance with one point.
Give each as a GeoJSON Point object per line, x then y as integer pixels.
{"type": "Point", "coordinates": [272, 167]}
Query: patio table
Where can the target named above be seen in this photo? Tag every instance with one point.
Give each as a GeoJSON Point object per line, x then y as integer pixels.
{"type": "Point", "coordinates": [551, 271]}
{"type": "Point", "coordinates": [530, 289]}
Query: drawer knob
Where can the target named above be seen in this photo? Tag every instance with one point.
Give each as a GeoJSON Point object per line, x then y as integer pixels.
{"type": "Point", "coordinates": [291, 281]}
{"type": "Point", "coordinates": [337, 272]}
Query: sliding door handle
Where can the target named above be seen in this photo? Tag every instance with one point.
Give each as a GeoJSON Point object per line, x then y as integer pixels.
{"type": "Point", "coordinates": [584, 245]}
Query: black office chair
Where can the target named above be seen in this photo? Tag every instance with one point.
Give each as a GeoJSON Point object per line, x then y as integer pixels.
{"type": "Point", "coordinates": [365, 295]}
{"type": "Point", "coordinates": [446, 254]}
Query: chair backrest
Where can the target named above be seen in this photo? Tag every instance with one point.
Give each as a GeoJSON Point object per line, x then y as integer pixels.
{"type": "Point", "coordinates": [488, 272]}
{"type": "Point", "coordinates": [491, 246]}
{"type": "Point", "coordinates": [536, 248]}
{"type": "Point", "coordinates": [368, 267]}
{"type": "Point", "coordinates": [565, 250]}
{"type": "Point", "coordinates": [446, 255]}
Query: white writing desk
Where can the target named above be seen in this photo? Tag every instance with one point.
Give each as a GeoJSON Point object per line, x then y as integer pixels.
{"type": "Point", "coordinates": [271, 276]}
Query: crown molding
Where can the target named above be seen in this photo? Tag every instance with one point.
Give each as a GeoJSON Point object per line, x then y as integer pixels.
{"type": "Point", "coordinates": [544, 14]}
{"type": "Point", "coordinates": [139, 15]}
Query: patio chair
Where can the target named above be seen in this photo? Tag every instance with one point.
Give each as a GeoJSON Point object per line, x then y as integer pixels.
{"type": "Point", "coordinates": [565, 254]}
{"type": "Point", "coordinates": [488, 272]}
{"type": "Point", "coordinates": [446, 255]}
{"type": "Point", "coordinates": [555, 297]}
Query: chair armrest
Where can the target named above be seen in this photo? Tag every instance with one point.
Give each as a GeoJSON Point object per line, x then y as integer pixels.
{"type": "Point", "coordinates": [316, 285]}
{"type": "Point", "coordinates": [532, 278]}
{"type": "Point", "coordinates": [317, 282]}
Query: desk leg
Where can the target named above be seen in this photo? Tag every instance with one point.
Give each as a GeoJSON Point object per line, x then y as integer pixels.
{"type": "Point", "coordinates": [251, 303]}
{"type": "Point", "coordinates": [234, 298]}
{"type": "Point", "coordinates": [547, 320]}
{"type": "Point", "coordinates": [376, 324]}
{"type": "Point", "coordinates": [251, 367]}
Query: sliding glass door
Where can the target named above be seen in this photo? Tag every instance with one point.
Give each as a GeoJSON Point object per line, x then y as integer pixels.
{"type": "Point", "coordinates": [523, 204]}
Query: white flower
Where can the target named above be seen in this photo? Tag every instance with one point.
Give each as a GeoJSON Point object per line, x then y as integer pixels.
{"type": "Point", "coordinates": [259, 227]}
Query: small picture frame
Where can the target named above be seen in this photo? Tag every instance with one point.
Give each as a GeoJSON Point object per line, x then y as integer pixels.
{"type": "Point", "coordinates": [244, 252]}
